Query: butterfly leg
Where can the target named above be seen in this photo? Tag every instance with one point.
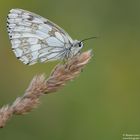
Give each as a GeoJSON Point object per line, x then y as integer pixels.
{"type": "Point", "coordinates": [66, 59]}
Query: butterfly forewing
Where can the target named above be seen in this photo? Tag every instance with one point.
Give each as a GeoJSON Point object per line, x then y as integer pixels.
{"type": "Point", "coordinates": [35, 38]}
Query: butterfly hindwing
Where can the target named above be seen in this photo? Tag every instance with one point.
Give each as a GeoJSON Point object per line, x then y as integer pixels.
{"type": "Point", "coordinates": [35, 38]}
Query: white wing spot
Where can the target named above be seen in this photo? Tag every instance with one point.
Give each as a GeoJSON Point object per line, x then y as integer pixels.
{"type": "Point", "coordinates": [18, 52]}
{"type": "Point", "coordinates": [14, 15]}
{"type": "Point", "coordinates": [32, 40]}
{"type": "Point", "coordinates": [45, 28]}
{"type": "Point", "coordinates": [52, 41]}
{"type": "Point", "coordinates": [35, 47]}
{"type": "Point", "coordinates": [59, 36]}
{"type": "Point", "coordinates": [15, 41]}
{"type": "Point", "coordinates": [35, 55]}
{"type": "Point", "coordinates": [41, 34]}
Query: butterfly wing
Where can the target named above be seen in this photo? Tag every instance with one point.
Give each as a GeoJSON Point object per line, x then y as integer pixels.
{"type": "Point", "coordinates": [35, 38]}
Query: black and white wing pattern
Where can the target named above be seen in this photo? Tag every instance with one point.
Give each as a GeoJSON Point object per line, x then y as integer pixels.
{"type": "Point", "coordinates": [34, 38]}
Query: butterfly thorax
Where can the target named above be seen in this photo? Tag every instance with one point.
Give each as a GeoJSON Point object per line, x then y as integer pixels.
{"type": "Point", "coordinates": [72, 49]}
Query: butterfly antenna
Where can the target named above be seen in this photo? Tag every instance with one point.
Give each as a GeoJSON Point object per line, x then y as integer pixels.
{"type": "Point", "coordinates": [88, 38]}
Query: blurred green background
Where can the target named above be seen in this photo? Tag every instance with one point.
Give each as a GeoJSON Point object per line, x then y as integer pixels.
{"type": "Point", "coordinates": [103, 103]}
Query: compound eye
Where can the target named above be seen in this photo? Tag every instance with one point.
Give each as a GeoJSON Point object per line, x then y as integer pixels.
{"type": "Point", "coordinates": [80, 44]}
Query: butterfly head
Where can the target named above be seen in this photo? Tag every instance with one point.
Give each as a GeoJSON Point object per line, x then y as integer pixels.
{"type": "Point", "coordinates": [76, 46]}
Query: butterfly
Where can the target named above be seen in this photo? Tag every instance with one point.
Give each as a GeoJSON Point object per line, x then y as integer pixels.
{"type": "Point", "coordinates": [37, 39]}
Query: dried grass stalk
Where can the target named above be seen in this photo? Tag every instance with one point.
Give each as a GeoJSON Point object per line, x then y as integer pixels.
{"type": "Point", "coordinates": [40, 86]}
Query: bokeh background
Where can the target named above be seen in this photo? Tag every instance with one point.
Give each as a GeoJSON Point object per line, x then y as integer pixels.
{"type": "Point", "coordinates": [103, 103]}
